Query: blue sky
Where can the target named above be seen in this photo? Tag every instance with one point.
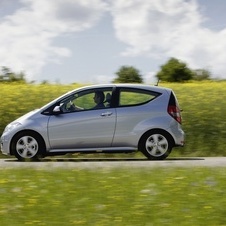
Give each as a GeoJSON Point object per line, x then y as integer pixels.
{"type": "Point", "coordinates": [87, 41]}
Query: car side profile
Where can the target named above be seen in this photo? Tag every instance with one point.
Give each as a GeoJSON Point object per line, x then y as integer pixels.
{"type": "Point", "coordinates": [104, 118]}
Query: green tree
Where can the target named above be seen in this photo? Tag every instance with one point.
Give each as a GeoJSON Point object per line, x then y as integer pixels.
{"type": "Point", "coordinates": [128, 74]}
{"type": "Point", "coordinates": [7, 75]}
{"type": "Point", "coordinates": [201, 74]}
{"type": "Point", "coordinates": [174, 71]}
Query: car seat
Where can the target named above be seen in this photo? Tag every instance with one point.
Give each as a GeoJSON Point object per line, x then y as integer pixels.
{"type": "Point", "coordinates": [107, 100]}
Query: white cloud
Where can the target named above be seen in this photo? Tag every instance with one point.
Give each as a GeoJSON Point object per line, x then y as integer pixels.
{"type": "Point", "coordinates": [169, 28]}
{"type": "Point", "coordinates": [157, 29]}
{"type": "Point", "coordinates": [27, 35]}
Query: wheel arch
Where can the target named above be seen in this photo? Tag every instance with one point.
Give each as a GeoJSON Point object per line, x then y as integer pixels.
{"type": "Point", "coordinates": [29, 131]}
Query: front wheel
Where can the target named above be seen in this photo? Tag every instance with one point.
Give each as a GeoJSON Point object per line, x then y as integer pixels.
{"type": "Point", "coordinates": [27, 146]}
{"type": "Point", "coordinates": [156, 145]}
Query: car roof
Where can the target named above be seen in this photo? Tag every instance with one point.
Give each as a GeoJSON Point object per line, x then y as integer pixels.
{"type": "Point", "coordinates": [131, 85]}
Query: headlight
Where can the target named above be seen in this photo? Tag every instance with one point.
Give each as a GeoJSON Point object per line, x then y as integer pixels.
{"type": "Point", "coordinates": [11, 126]}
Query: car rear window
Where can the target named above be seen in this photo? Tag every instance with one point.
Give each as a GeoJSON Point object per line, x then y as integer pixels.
{"type": "Point", "coordinates": [130, 97]}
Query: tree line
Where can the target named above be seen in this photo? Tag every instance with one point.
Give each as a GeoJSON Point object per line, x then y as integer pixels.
{"type": "Point", "coordinates": [7, 75]}
{"type": "Point", "coordinates": [173, 70]}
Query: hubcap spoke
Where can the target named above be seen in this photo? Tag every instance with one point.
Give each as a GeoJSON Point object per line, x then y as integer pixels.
{"type": "Point", "coordinates": [154, 151]}
{"type": "Point", "coordinates": [20, 147]}
{"type": "Point", "coordinates": [155, 138]}
{"type": "Point", "coordinates": [24, 153]}
{"type": "Point", "coordinates": [149, 144]}
{"type": "Point", "coordinates": [162, 142]}
{"type": "Point", "coordinates": [161, 149]}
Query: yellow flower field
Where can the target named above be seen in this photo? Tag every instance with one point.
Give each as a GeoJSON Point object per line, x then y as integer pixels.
{"type": "Point", "coordinates": [203, 105]}
{"type": "Point", "coordinates": [204, 108]}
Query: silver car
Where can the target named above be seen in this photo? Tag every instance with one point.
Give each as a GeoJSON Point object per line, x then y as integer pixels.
{"type": "Point", "coordinates": [99, 118]}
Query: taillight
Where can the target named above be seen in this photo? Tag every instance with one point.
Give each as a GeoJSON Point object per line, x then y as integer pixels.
{"type": "Point", "coordinates": [174, 111]}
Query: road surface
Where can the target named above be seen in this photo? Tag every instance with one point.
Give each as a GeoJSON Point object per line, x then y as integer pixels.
{"type": "Point", "coordinates": [87, 163]}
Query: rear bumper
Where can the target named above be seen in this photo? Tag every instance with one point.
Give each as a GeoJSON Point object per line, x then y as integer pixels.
{"type": "Point", "coordinates": [180, 138]}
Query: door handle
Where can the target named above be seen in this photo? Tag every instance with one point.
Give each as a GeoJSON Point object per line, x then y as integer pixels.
{"type": "Point", "coordinates": [105, 114]}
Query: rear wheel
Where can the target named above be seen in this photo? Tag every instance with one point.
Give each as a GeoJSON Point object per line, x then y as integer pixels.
{"type": "Point", "coordinates": [156, 145]}
{"type": "Point", "coordinates": [28, 146]}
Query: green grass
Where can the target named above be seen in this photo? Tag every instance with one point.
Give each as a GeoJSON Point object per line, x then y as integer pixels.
{"type": "Point", "coordinates": [113, 197]}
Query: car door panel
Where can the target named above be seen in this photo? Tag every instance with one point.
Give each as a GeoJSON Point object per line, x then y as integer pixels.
{"type": "Point", "coordinates": [84, 129]}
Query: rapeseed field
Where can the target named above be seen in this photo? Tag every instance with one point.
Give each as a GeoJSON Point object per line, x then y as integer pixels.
{"type": "Point", "coordinates": [203, 105]}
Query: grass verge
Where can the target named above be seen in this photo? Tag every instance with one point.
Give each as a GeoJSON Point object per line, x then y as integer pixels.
{"type": "Point", "coordinates": [159, 196]}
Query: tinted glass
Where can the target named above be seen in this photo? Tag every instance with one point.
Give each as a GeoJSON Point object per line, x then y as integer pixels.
{"type": "Point", "coordinates": [131, 97]}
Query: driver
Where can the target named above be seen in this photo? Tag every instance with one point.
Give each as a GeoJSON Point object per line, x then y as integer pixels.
{"type": "Point", "coordinates": [99, 99]}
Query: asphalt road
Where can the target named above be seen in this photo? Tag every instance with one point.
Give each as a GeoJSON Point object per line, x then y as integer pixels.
{"type": "Point", "coordinates": [108, 163]}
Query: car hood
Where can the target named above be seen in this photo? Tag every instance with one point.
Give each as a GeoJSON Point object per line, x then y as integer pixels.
{"type": "Point", "coordinates": [27, 115]}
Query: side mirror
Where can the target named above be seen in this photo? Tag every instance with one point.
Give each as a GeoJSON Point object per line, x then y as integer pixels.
{"type": "Point", "coordinates": [57, 110]}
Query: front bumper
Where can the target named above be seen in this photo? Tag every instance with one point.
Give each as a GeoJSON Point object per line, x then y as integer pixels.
{"type": "Point", "coordinates": [4, 142]}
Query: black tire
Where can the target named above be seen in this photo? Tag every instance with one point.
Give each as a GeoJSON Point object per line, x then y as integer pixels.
{"type": "Point", "coordinates": [28, 146]}
{"type": "Point", "coordinates": [156, 145]}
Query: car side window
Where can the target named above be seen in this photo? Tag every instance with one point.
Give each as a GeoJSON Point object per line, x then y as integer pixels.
{"type": "Point", "coordinates": [131, 97]}
{"type": "Point", "coordinates": [87, 100]}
